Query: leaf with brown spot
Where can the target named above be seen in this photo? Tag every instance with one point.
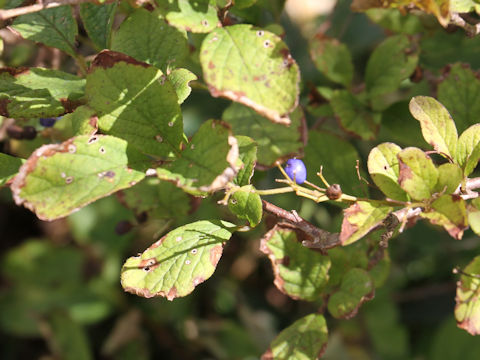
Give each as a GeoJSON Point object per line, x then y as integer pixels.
{"type": "Point", "coordinates": [239, 55]}
{"type": "Point", "coordinates": [300, 272]}
{"type": "Point", "coordinates": [450, 212]}
{"type": "Point", "coordinates": [207, 163]}
{"type": "Point", "coordinates": [59, 179]}
{"type": "Point", "coordinates": [360, 218]}
{"type": "Point", "coordinates": [467, 309]}
{"type": "Point", "coordinates": [177, 263]}
{"type": "Point", "coordinates": [136, 102]}
{"type": "Point", "coordinates": [418, 175]}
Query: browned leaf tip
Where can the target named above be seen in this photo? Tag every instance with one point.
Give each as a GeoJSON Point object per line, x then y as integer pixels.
{"type": "Point", "coordinates": [216, 254]}
{"type": "Point", "coordinates": [278, 280]}
{"type": "Point", "coordinates": [107, 59]}
{"type": "Point", "coordinates": [241, 97]}
{"type": "Point", "coordinates": [267, 355]}
{"type": "Point", "coordinates": [14, 71]}
{"type": "Point", "coordinates": [30, 165]}
{"type": "Point", "coordinates": [348, 229]}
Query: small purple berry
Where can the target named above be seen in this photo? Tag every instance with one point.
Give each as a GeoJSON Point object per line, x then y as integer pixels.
{"type": "Point", "coordinates": [47, 122]}
{"type": "Point", "coordinates": [296, 169]}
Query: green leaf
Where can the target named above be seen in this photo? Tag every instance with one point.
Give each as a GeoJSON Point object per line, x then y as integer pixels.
{"type": "Point", "coordinates": [207, 164]}
{"type": "Point", "coordinates": [384, 170]}
{"type": "Point", "coordinates": [174, 265]}
{"type": "Point", "coordinates": [161, 45]}
{"type": "Point", "coordinates": [135, 102]}
{"type": "Point", "coordinates": [305, 339]}
{"type": "Point", "coordinates": [355, 118]}
{"type": "Point", "coordinates": [198, 16]}
{"type": "Point", "coordinates": [459, 92]}
{"type": "Point", "coordinates": [180, 79]}
{"type": "Point", "coordinates": [275, 142]}
{"type": "Point", "coordinates": [393, 61]}
{"type": "Point", "coordinates": [300, 272]}
{"type": "Point", "coordinates": [467, 309]}
{"type": "Point", "coordinates": [67, 339]}
{"type": "Point", "coordinates": [438, 128]}
{"type": "Point", "coordinates": [345, 258]}
{"type": "Point", "coordinates": [360, 218]}
{"type": "Point", "coordinates": [59, 179]}
{"type": "Point", "coordinates": [9, 166]}
{"type": "Point", "coordinates": [253, 67]}
{"type": "Point", "coordinates": [37, 92]}
{"type": "Point", "coordinates": [464, 6]}
{"type": "Point", "coordinates": [158, 199]}
{"type": "Point", "coordinates": [54, 27]}
{"type": "Point", "coordinates": [396, 21]}
{"type": "Point", "coordinates": [333, 59]}
{"type": "Point", "coordinates": [83, 120]}
{"type": "Point", "coordinates": [247, 149]}
{"type": "Point", "coordinates": [338, 158]}
{"type": "Point", "coordinates": [246, 204]}
{"type": "Point", "coordinates": [468, 149]}
{"type": "Point", "coordinates": [399, 127]}
{"type": "Point", "coordinates": [357, 287]}
{"type": "Point", "coordinates": [98, 21]}
{"type": "Point", "coordinates": [380, 272]}
{"type": "Point", "coordinates": [418, 175]}
{"type": "Point", "coordinates": [473, 213]}
{"type": "Point", "coordinates": [450, 212]}
{"type": "Point", "coordinates": [449, 177]}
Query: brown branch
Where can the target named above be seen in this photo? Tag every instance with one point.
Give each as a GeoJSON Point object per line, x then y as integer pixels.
{"type": "Point", "coordinates": [322, 239]}
{"type": "Point", "coordinates": [10, 13]}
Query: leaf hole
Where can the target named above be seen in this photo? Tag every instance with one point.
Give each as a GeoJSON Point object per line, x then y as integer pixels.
{"type": "Point", "coordinates": [146, 268]}
{"type": "Point", "coordinates": [260, 33]}
{"type": "Point", "coordinates": [205, 22]}
{"type": "Point", "coordinates": [102, 150]}
{"type": "Point", "coordinates": [92, 140]}
{"type": "Point", "coordinates": [194, 251]}
{"type": "Point", "coordinates": [69, 179]}
{"type": "Point", "coordinates": [266, 43]}
{"type": "Point", "coordinates": [72, 149]}
{"type": "Point", "coordinates": [170, 123]}
{"type": "Point", "coordinates": [158, 138]}
{"type": "Point", "coordinates": [187, 262]}
{"type": "Point", "coordinates": [178, 239]}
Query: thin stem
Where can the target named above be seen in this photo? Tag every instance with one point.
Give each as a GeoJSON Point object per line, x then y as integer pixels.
{"type": "Point", "coordinates": [10, 13]}
{"type": "Point", "coordinates": [274, 191]}
{"type": "Point", "coordinates": [82, 64]}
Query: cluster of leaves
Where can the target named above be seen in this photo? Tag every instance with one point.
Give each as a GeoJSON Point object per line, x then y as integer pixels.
{"type": "Point", "coordinates": [122, 131]}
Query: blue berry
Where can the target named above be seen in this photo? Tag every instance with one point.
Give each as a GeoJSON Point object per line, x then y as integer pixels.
{"type": "Point", "coordinates": [47, 122]}
{"type": "Point", "coordinates": [296, 169]}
